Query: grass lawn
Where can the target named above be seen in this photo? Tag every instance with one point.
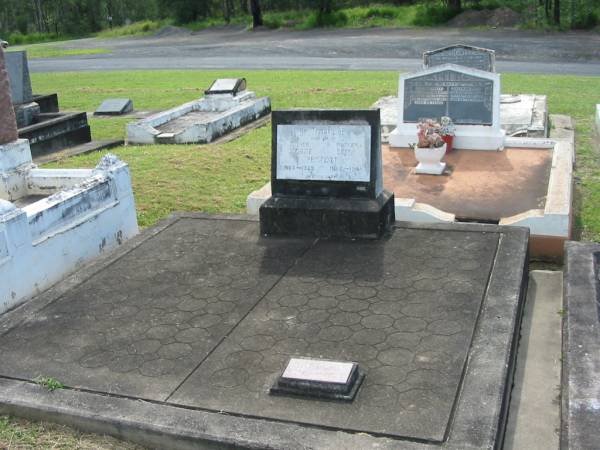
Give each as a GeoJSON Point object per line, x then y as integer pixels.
{"type": "Point", "coordinates": [217, 178]}
{"type": "Point", "coordinates": [55, 50]}
{"type": "Point", "coordinates": [18, 434]}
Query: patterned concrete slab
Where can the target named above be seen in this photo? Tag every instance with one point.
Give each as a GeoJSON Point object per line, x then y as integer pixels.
{"type": "Point", "coordinates": [200, 314]}
{"type": "Point", "coordinates": [405, 310]}
{"type": "Point", "coordinates": [141, 325]}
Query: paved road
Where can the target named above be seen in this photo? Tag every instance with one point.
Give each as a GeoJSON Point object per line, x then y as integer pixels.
{"type": "Point", "coordinates": [370, 49]}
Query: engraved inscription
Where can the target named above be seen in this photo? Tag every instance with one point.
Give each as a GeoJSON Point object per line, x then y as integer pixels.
{"type": "Point", "coordinates": [474, 58]}
{"type": "Point", "coordinates": [324, 152]}
{"type": "Point", "coordinates": [318, 370]}
{"type": "Point", "coordinates": [467, 99]}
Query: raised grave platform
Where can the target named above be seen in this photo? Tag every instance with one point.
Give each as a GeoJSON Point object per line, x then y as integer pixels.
{"type": "Point", "coordinates": [199, 316]}
{"type": "Point", "coordinates": [226, 107]}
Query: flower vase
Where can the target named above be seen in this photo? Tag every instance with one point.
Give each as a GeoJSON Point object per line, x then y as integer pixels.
{"type": "Point", "coordinates": [449, 140]}
{"type": "Point", "coordinates": [430, 160]}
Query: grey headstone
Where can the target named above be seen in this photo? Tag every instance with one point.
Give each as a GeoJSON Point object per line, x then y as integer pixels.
{"type": "Point", "coordinates": [462, 55]}
{"type": "Point", "coordinates": [467, 99]}
{"type": "Point", "coordinates": [114, 107]}
{"type": "Point", "coordinates": [18, 74]}
{"type": "Point", "coordinates": [227, 86]}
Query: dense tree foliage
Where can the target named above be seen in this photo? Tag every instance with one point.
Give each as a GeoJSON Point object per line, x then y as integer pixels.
{"type": "Point", "coordinates": [81, 17]}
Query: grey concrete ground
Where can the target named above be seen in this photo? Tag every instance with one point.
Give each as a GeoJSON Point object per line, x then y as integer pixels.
{"type": "Point", "coordinates": [185, 328]}
{"type": "Point", "coordinates": [366, 49]}
{"type": "Point", "coordinates": [534, 417]}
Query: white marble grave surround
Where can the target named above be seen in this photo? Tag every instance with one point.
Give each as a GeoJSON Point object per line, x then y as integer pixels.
{"type": "Point", "coordinates": [324, 152]}
{"type": "Point", "coordinates": [234, 112]}
{"type": "Point", "coordinates": [468, 137]}
{"type": "Point", "coordinates": [318, 370]}
{"type": "Point", "coordinates": [85, 212]}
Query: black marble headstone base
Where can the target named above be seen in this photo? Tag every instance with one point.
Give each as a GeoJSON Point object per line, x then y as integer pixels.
{"type": "Point", "coordinates": [328, 216]}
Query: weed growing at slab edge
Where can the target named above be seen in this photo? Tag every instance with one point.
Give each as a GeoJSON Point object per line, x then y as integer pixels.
{"type": "Point", "coordinates": [51, 384]}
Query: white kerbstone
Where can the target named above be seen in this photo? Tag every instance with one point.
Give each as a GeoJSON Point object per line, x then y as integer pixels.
{"type": "Point", "coordinates": [86, 212]}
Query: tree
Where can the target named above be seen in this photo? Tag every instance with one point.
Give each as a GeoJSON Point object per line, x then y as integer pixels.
{"type": "Point", "coordinates": [257, 19]}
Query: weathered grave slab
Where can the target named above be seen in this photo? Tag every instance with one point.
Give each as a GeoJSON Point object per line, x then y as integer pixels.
{"type": "Point", "coordinates": [462, 55]}
{"type": "Point", "coordinates": [114, 107]}
{"type": "Point", "coordinates": [581, 347]}
{"type": "Point", "coordinates": [203, 315]}
{"type": "Point", "coordinates": [226, 107]}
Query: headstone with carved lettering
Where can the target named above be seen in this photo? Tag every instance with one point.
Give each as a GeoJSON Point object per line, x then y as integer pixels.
{"type": "Point", "coordinates": [8, 124]}
{"type": "Point", "coordinates": [462, 55]}
{"type": "Point", "coordinates": [470, 97]}
{"type": "Point", "coordinates": [326, 175]}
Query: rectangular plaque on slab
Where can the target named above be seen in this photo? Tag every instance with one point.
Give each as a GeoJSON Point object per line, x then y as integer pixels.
{"type": "Point", "coordinates": [467, 99]}
{"type": "Point", "coordinates": [462, 55]}
{"type": "Point", "coordinates": [318, 378]}
{"type": "Point", "coordinates": [226, 86]}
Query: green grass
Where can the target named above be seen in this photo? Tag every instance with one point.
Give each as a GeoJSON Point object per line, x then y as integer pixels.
{"type": "Point", "coordinates": [55, 50]}
{"type": "Point", "coordinates": [217, 178]}
{"type": "Point", "coordinates": [19, 434]}
{"type": "Point", "coordinates": [144, 28]}
{"type": "Point", "coordinates": [359, 17]}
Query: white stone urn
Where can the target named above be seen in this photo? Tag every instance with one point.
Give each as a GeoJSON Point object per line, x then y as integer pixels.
{"type": "Point", "coordinates": [430, 160]}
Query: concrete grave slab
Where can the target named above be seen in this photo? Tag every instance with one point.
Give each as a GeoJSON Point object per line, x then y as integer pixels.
{"type": "Point", "coordinates": [199, 316]}
{"type": "Point", "coordinates": [200, 121]}
{"type": "Point", "coordinates": [114, 107]}
{"type": "Point", "coordinates": [581, 347]}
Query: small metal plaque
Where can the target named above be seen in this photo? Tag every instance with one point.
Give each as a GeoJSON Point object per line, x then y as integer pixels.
{"type": "Point", "coordinates": [318, 370]}
{"type": "Point", "coordinates": [227, 86]}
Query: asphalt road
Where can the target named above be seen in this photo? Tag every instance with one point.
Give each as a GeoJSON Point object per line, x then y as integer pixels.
{"type": "Point", "coordinates": [369, 49]}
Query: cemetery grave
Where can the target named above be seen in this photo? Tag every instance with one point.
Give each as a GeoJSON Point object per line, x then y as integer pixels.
{"type": "Point", "coordinates": [522, 179]}
{"type": "Point", "coordinates": [39, 120]}
{"type": "Point", "coordinates": [226, 106]}
{"type": "Point", "coordinates": [52, 221]}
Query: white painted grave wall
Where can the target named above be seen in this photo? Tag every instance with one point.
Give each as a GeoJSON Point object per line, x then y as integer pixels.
{"type": "Point", "coordinates": [89, 213]}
